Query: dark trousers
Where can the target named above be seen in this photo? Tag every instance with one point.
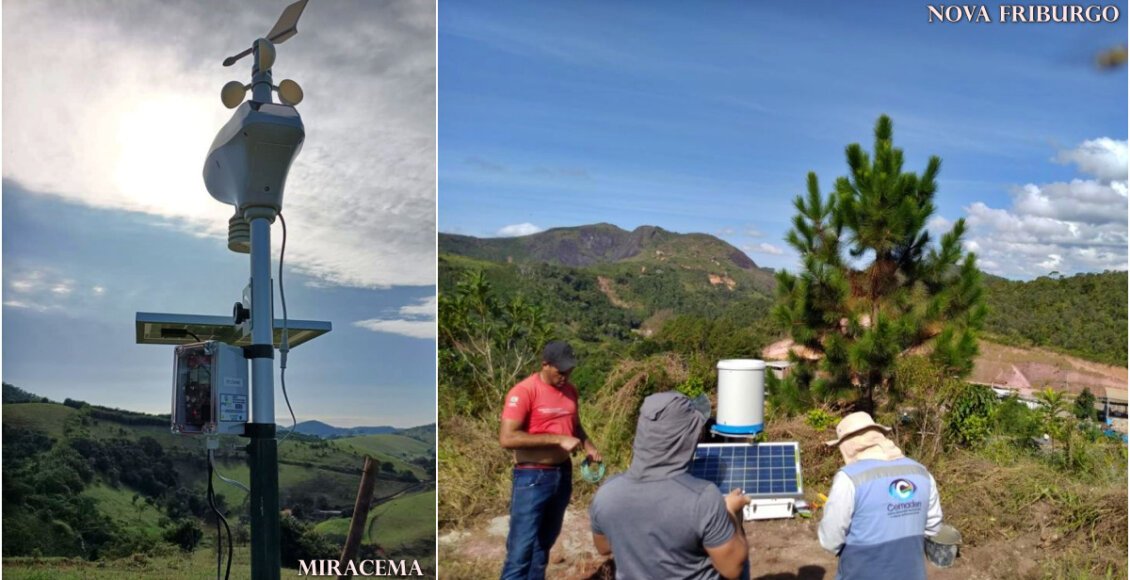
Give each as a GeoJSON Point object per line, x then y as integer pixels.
{"type": "Point", "coordinates": [537, 508]}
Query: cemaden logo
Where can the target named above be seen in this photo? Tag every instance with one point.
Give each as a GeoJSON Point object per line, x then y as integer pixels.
{"type": "Point", "coordinates": [902, 489]}
{"type": "Point", "coordinates": [360, 568]}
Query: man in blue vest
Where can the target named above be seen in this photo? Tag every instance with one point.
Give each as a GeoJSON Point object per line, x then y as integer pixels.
{"type": "Point", "coordinates": [880, 508]}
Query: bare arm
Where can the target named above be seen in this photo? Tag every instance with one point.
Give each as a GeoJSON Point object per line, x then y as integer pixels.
{"type": "Point", "coordinates": [511, 436]}
{"type": "Point", "coordinates": [590, 447]}
{"type": "Point", "coordinates": [729, 558]}
{"type": "Point", "coordinates": [602, 544]}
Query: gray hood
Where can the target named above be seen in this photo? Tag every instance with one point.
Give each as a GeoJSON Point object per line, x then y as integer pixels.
{"type": "Point", "coordinates": [666, 434]}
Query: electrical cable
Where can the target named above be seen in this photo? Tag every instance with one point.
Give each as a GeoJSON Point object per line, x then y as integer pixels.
{"type": "Point", "coordinates": [219, 518]}
{"type": "Point", "coordinates": [193, 335]}
{"type": "Point", "coordinates": [212, 504]}
{"type": "Point", "coordinates": [232, 482]}
{"type": "Point", "coordinates": [284, 346]}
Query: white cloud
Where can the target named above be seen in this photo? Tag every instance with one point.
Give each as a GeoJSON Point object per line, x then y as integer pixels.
{"type": "Point", "coordinates": [754, 233]}
{"type": "Point", "coordinates": [1079, 226]}
{"type": "Point", "coordinates": [412, 320]}
{"type": "Point", "coordinates": [132, 134]}
{"type": "Point", "coordinates": [939, 225]}
{"type": "Point", "coordinates": [25, 305]}
{"type": "Point", "coordinates": [409, 328]}
{"type": "Point", "coordinates": [764, 248]}
{"type": "Point", "coordinates": [426, 308]}
{"type": "Point", "coordinates": [41, 289]}
{"type": "Point", "coordinates": [1103, 158]}
{"type": "Point", "coordinates": [1079, 201]}
{"type": "Point", "coordinates": [516, 230]}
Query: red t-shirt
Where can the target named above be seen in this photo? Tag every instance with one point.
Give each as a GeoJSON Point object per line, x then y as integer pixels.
{"type": "Point", "coordinates": [542, 408]}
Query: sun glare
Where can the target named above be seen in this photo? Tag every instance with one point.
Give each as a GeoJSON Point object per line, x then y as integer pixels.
{"type": "Point", "coordinates": [161, 146]}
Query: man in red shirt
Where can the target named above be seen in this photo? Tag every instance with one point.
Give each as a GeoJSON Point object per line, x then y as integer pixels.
{"type": "Point", "coordinates": [541, 425]}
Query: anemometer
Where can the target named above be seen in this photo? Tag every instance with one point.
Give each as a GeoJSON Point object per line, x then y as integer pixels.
{"type": "Point", "coordinates": [223, 370]}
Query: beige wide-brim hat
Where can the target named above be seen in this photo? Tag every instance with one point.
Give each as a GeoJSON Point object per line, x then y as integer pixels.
{"type": "Point", "coordinates": [855, 423]}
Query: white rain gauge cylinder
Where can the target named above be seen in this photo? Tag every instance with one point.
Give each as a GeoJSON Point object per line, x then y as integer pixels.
{"type": "Point", "coordinates": [741, 397]}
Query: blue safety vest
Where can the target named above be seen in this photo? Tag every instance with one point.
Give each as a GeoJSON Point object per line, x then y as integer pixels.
{"type": "Point", "coordinates": [888, 525]}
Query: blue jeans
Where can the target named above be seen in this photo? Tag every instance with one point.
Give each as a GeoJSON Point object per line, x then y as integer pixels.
{"type": "Point", "coordinates": [537, 508]}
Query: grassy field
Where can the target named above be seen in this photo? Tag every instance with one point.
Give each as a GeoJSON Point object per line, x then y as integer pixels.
{"type": "Point", "coordinates": [49, 418]}
{"type": "Point", "coordinates": [119, 504]}
{"type": "Point", "coordinates": [385, 444]}
{"type": "Point", "coordinates": [173, 565]}
{"type": "Point", "coordinates": [401, 521]}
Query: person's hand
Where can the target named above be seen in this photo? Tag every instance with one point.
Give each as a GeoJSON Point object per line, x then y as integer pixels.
{"type": "Point", "coordinates": [593, 453]}
{"type": "Point", "coordinates": [736, 500]}
{"type": "Point", "coordinates": [569, 444]}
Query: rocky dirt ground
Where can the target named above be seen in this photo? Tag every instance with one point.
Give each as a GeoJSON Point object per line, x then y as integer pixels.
{"type": "Point", "coordinates": [780, 550]}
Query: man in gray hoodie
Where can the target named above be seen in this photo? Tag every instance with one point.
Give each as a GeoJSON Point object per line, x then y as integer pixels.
{"type": "Point", "coordinates": [657, 520]}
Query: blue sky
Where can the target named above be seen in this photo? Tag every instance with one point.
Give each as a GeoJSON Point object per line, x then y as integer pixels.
{"type": "Point", "coordinates": [108, 114]}
{"type": "Point", "coordinates": [706, 117]}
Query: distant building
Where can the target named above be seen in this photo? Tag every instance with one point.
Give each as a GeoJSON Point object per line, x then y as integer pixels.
{"type": "Point", "coordinates": [780, 368]}
{"type": "Point", "coordinates": [1113, 401]}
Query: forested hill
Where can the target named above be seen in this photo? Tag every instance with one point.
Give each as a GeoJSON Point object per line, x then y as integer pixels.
{"type": "Point", "coordinates": [1084, 315]}
{"type": "Point", "coordinates": [604, 283]}
{"type": "Point", "coordinates": [597, 244]}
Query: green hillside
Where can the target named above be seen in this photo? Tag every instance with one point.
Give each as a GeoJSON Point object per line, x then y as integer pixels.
{"type": "Point", "coordinates": [1084, 315]}
{"type": "Point", "coordinates": [645, 248]}
{"type": "Point", "coordinates": [394, 524]}
{"type": "Point", "coordinates": [387, 444]}
{"type": "Point", "coordinates": [425, 433]}
{"type": "Point", "coordinates": [401, 452]}
{"type": "Point", "coordinates": [112, 483]}
{"type": "Point", "coordinates": [601, 285]}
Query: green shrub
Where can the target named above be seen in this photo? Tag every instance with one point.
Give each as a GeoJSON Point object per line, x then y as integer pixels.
{"type": "Point", "coordinates": [968, 422]}
{"type": "Point", "coordinates": [819, 419]}
{"type": "Point", "coordinates": [299, 541]}
{"type": "Point", "coordinates": [1013, 418]}
{"type": "Point", "coordinates": [693, 387]}
{"type": "Point", "coordinates": [185, 534]}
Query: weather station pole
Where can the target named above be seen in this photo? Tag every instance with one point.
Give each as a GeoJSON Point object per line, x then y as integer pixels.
{"type": "Point", "coordinates": [247, 167]}
{"type": "Point", "coordinates": [262, 450]}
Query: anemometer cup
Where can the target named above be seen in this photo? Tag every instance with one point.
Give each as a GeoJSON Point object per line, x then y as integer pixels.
{"type": "Point", "coordinates": [248, 162]}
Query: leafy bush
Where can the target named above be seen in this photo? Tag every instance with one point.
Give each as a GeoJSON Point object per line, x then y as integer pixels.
{"type": "Point", "coordinates": [969, 421]}
{"type": "Point", "coordinates": [820, 419]}
{"type": "Point", "coordinates": [299, 541]}
{"type": "Point", "coordinates": [1013, 418]}
{"type": "Point", "coordinates": [185, 534]}
{"type": "Point", "coordinates": [693, 387]}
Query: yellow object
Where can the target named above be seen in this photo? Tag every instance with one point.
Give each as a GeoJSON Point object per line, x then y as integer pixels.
{"type": "Point", "coordinates": [821, 499]}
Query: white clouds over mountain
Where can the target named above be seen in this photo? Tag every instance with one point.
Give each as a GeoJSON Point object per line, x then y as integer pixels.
{"type": "Point", "coordinates": [1070, 227]}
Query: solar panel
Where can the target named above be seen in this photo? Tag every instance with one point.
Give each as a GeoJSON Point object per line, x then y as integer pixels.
{"type": "Point", "coordinates": [761, 469]}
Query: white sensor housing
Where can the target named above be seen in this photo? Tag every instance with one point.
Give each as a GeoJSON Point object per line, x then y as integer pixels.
{"type": "Point", "coordinates": [249, 160]}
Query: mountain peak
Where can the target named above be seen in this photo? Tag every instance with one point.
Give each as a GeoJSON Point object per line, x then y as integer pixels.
{"type": "Point", "coordinates": [601, 243]}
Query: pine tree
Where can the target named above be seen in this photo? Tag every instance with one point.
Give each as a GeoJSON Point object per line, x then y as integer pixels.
{"type": "Point", "coordinates": [871, 284]}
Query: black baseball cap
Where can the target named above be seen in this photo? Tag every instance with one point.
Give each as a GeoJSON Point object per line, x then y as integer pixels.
{"type": "Point", "coordinates": [559, 354]}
